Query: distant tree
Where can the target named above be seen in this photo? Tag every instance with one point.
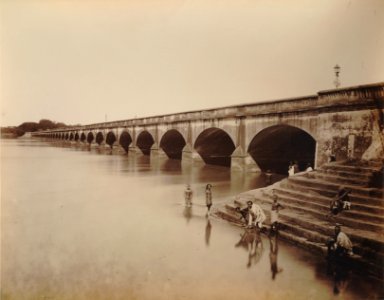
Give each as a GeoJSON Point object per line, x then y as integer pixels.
{"type": "Point", "coordinates": [60, 125]}
{"type": "Point", "coordinates": [11, 132]}
{"type": "Point", "coordinates": [29, 126]}
{"type": "Point", "coordinates": [46, 124]}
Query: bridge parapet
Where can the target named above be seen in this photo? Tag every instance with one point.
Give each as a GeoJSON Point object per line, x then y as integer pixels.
{"type": "Point", "coordinates": [368, 96]}
{"type": "Point", "coordinates": [363, 91]}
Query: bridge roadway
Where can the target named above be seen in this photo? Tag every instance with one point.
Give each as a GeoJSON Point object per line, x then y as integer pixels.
{"type": "Point", "coordinates": [346, 122]}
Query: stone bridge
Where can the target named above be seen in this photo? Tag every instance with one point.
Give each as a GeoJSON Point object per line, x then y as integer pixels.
{"type": "Point", "coordinates": [346, 122]}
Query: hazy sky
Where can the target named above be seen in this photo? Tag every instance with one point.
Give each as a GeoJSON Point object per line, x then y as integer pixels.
{"type": "Point", "coordinates": [78, 61]}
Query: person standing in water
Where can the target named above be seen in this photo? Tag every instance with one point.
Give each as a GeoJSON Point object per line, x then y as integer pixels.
{"type": "Point", "coordinates": [188, 196]}
{"type": "Point", "coordinates": [208, 197]}
{"type": "Point", "coordinates": [275, 211]}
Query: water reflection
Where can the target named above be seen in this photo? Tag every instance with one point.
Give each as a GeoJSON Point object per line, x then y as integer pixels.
{"type": "Point", "coordinates": [208, 229]}
{"type": "Point", "coordinates": [171, 165]}
{"type": "Point", "coordinates": [340, 281]}
{"type": "Point", "coordinates": [187, 213]}
{"type": "Point", "coordinates": [273, 251]}
{"type": "Point", "coordinates": [338, 267]}
{"type": "Point", "coordinates": [203, 173]}
{"type": "Point", "coordinates": [251, 241]}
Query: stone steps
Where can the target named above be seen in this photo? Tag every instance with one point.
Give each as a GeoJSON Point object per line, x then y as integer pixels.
{"type": "Point", "coordinates": [306, 221]}
{"type": "Point", "coordinates": [320, 212]}
{"type": "Point", "coordinates": [311, 234]}
{"type": "Point", "coordinates": [322, 239]}
{"type": "Point", "coordinates": [310, 221]}
{"type": "Point", "coordinates": [330, 188]}
{"type": "Point", "coordinates": [359, 218]}
{"type": "Point", "coordinates": [369, 252]}
{"type": "Point", "coordinates": [341, 180]}
{"type": "Point", "coordinates": [355, 198]}
{"type": "Point", "coordinates": [308, 197]}
{"type": "Point", "coordinates": [365, 177]}
{"type": "Point", "coordinates": [358, 167]}
{"type": "Point", "coordinates": [373, 250]}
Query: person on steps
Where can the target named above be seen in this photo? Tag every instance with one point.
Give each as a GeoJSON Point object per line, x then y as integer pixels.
{"type": "Point", "coordinates": [341, 201]}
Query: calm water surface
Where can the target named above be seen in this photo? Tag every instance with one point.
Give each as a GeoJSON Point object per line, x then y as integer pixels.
{"type": "Point", "coordinates": [85, 225]}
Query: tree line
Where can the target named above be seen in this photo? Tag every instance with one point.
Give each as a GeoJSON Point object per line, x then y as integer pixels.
{"type": "Point", "coordinates": [17, 131]}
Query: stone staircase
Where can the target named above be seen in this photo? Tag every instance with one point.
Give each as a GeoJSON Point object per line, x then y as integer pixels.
{"type": "Point", "coordinates": [305, 221]}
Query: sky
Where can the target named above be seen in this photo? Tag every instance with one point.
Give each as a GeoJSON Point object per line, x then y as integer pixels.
{"type": "Point", "coordinates": [87, 61]}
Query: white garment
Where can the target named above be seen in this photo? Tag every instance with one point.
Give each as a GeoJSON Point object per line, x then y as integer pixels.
{"type": "Point", "coordinates": [291, 171]}
{"type": "Point", "coordinates": [308, 169]}
{"type": "Point", "coordinates": [346, 205]}
{"type": "Point", "coordinates": [259, 215]}
{"type": "Point", "coordinates": [343, 240]}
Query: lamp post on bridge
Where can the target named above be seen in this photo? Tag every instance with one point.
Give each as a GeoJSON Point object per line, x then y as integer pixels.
{"type": "Point", "coordinates": [337, 72]}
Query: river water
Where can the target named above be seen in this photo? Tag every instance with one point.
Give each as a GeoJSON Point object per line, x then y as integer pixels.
{"type": "Point", "coordinates": [80, 224]}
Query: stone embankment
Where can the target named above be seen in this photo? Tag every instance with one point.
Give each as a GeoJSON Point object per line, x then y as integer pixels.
{"type": "Point", "coordinates": [305, 221]}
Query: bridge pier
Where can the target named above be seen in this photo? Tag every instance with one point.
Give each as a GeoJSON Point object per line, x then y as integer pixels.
{"type": "Point", "coordinates": [115, 149]}
{"type": "Point", "coordinates": [189, 154]}
{"type": "Point", "coordinates": [133, 149]}
{"type": "Point", "coordinates": [156, 151]}
{"type": "Point", "coordinates": [241, 161]}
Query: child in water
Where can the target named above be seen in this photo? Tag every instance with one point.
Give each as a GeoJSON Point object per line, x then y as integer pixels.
{"type": "Point", "coordinates": [208, 196]}
{"type": "Point", "coordinates": [188, 196]}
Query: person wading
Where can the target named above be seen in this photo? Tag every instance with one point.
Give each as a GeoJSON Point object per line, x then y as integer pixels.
{"type": "Point", "coordinates": [208, 197]}
{"type": "Point", "coordinates": [188, 196]}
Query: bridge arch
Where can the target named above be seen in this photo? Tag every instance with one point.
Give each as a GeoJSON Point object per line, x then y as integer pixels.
{"type": "Point", "coordinates": [110, 139]}
{"type": "Point", "coordinates": [83, 137]}
{"type": "Point", "coordinates": [99, 137]}
{"type": "Point", "coordinates": [125, 140]}
{"type": "Point", "coordinates": [77, 136]}
{"type": "Point", "coordinates": [144, 142]}
{"type": "Point", "coordinates": [215, 146]}
{"type": "Point", "coordinates": [274, 147]}
{"type": "Point", "coordinates": [90, 137]}
{"type": "Point", "coordinates": [172, 143]}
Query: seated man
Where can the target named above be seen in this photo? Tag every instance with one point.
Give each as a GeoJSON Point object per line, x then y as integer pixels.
{"type": "Point", "coordinates": [341, 201]}
{"type": "Point", "coordinates": [342, 194]}
{"type": "Point", "coordinates": [341, 245]}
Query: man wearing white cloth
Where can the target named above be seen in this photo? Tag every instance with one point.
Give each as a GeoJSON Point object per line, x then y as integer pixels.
{"type": "Point", "coordinates": [341, 245]}
{"type": "Point", "coordinates": [258, 216]}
